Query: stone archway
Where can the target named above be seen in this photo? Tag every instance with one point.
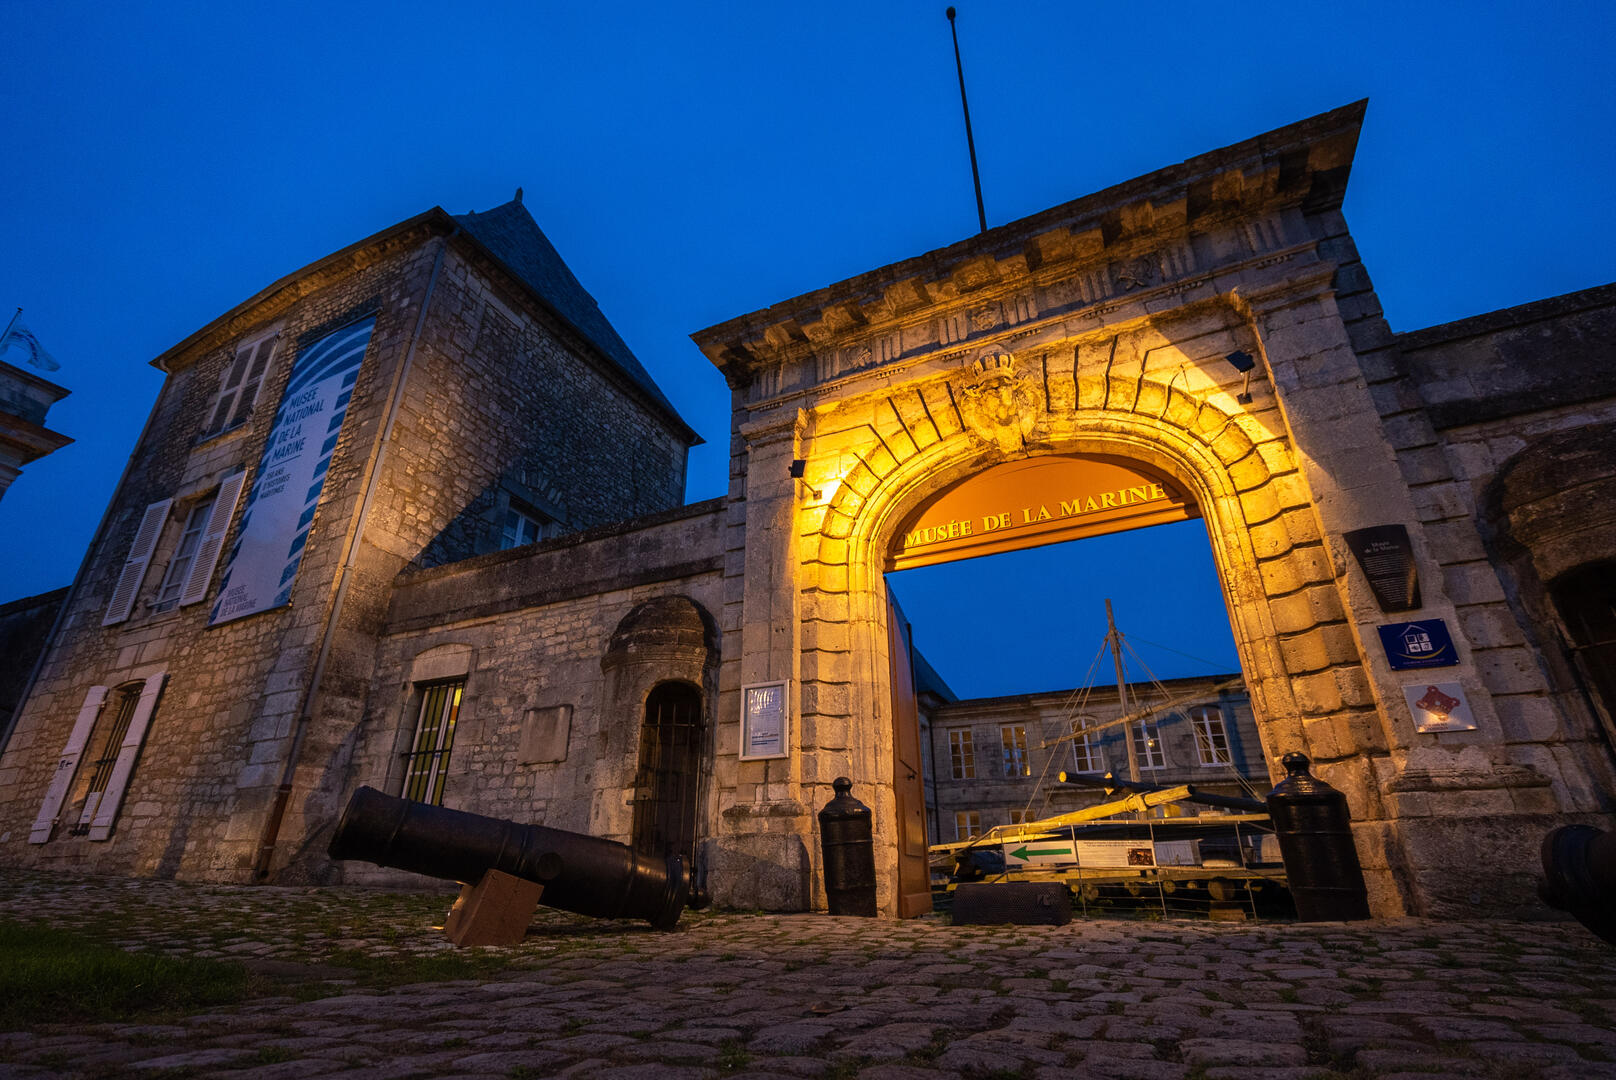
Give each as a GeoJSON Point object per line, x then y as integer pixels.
{"type": "Point", "coordinates": [1295, 644]}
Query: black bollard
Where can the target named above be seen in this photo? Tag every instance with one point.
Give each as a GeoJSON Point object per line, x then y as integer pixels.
{"type": "Point", "coordinates": [1579, 876]}
{"type": "Point", "coordinates": [582, 874]}
{"type": "Point", "coordinates": [847, 839]}
{"type": "Point", "coordinates": [1315, 839]}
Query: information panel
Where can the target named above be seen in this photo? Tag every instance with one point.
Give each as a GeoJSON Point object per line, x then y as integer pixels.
{"type": "Point", "coordinates": [291, 475]}
{"type": "Point", "coordinates": [765, 721]}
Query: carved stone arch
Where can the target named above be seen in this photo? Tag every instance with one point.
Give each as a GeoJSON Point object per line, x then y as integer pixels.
{"type": "Point", "coordinates": [1210, 449]}
{"type": "Point", "coordinates": [662, 644]}
{"type": "Point", "coordinates": [1549, 519]}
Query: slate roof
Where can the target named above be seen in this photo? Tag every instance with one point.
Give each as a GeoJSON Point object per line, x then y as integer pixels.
{"type": "Point", "coordinates": [927, 680]}
{"type": "Point", "coordinates": [510, 234]}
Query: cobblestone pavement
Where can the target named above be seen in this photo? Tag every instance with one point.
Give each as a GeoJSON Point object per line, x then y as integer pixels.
{"type": "Point", "coordinates": [803, 996]}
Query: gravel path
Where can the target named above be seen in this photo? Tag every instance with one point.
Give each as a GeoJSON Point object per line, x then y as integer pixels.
{"type": "Point", "coordinates": [807, 996]}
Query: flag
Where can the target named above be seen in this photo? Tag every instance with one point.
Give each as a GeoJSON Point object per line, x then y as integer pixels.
{"type": "Point", "coordinates": [21, 338]}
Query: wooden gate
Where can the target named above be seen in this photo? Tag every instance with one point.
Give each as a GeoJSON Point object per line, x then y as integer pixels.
{"type": "Point", "coordinates": [908, 786]}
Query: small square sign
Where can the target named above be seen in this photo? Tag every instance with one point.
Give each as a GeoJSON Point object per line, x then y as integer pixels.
{"type": "Point", "coordinates": [1439, 707]}
{"type": "Point", "coordinates": [1423, 644]}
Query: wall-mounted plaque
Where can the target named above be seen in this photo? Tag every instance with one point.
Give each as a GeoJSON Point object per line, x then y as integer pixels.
{"type": "Point", "coordinates": [1423, 644]}
{"type": "Point", "coordinates": [1439, 707]}
{"type": "Point", "coordinates": [765, 721]}
{"type": "Point", "coordinates": [1386, 558]}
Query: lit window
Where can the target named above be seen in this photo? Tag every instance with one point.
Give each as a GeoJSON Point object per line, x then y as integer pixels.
{"type": "Point", "coordinates": [1211, 737]}
{"type": "Point", "coordinates": [1147, 744]}
{"type": "Point", "coordinates": [1085, 752]}
{"type": "Point", "coordinates": [1021, 817]}
{"type": "Point", "coordinates": [179, 566]}
{"type": "Point", "coordinates": [967, 824]}
{"type": "Point", "coordinates": [105, 743]}
{"type": "Point", "coordinates": [1013, 740]}
{"type": "Point", "coordinates": [520, 528]}
{"type": "Point", "coordinates": [962, 753]}
{"type": "Point", "coordinates": [428, 760]}
{"type": "Point", "coordinates": [238, 388]}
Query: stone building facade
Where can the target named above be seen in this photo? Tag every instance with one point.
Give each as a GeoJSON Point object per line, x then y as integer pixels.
{"type": "Point", "coordinates": [997, 761]}
{"type": "Point", "coordinates": [490, 381]}
{"type": "Point", "coordinates": [694, 678]}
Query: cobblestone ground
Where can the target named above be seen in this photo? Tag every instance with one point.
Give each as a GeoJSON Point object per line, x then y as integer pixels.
{"type": "Point", "coordinates": [353, 987]}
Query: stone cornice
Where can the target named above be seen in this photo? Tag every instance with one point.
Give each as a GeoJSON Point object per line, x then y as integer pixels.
{"type": "Point", "coordinates": [1114, 241]}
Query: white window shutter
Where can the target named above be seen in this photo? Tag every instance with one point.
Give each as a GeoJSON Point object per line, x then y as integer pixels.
{"type": "Point", "coordinates": [134, 567]}
{"type": "Point", "coordinates": [112, 798]}
{"type": "Point", "coordinates": [67, 765]}
{"type": "Point", "coordinates": [207, 552]}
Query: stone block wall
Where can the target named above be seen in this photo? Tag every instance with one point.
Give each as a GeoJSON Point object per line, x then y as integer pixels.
{"type": "Point", "coordinates": [528, 629]}
{"type": "Point", "coordinates": [25, 625]}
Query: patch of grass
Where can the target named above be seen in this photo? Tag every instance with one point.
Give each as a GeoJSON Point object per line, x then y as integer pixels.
{"type": "Point", "coordinates": [1288, 995]}
{"type": "Point", "coordinates": [382, 972]}
{"type": "Point", "coordinates": [732, 1056]}
{"type": "Point", "coordinates": [52, 975]}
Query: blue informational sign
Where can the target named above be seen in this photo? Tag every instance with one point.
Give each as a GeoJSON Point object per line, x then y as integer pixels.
{"type": "Point", "coordinates": [1423, 644]}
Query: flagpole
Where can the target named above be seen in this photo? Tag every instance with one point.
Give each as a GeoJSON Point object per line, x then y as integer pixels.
{"type": "Point", "coordinates": [970, 142]}
{"type": "Point", "coordinates": [10, 324]}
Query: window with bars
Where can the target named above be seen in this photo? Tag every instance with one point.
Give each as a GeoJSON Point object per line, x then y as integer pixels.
{"type": "Point", "coordinates": [1147, 744]}
{"type": "Point", "coordinates": [1013, 741]}
{"type": "Point", "coordinates": [962, 754]}
{"type": "Point", "coordinates": [427, 763]}
{"type": "Point", "coordinates": [1211, 736]}
{"type": "Point", "coordinates": [1085, 748]}
{"type": "Point", "coordinates": [238, 388]}
{"type": "Point", "coordinates": [105, 743]}
{"type": "Point", "coordinates": [179, 565]}
{"type": "Point", "coordinates": [967, 824]}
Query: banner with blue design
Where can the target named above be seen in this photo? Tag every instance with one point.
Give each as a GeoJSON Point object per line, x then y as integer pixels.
{"type": "Point", "coordinates": [291, 474]}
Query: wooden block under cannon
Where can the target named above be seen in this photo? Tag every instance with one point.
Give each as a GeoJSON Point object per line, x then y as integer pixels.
{"type": "Point", "coordinates": [495, 911]}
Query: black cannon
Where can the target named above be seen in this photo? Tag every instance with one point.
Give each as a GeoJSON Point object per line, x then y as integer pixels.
{"type": "Point", "coordinates": [1579, 876]}
{"type": "Point", "coordinates": [582, 874]}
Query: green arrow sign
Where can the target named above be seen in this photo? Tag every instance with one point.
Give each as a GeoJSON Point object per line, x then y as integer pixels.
{"type": "Point", "coordinates": [1024, 854]}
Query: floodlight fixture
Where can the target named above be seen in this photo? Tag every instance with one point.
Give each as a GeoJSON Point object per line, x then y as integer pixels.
{"type": "Point", "coordinates": [1243, 362]}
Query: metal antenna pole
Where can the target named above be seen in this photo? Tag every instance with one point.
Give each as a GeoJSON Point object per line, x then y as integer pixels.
{"type": "Point", "coordinates": [970, 142]}
{"type": "Point", "coordinates": [1115, 639]}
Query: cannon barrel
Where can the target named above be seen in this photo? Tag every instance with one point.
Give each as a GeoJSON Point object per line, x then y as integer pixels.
{"type": "Point", "coordinates": [582, 874]}
{"type": "Point", "coordinates": [1579, 876]}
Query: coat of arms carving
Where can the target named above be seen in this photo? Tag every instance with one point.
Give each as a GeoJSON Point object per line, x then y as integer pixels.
{"type": "Point", "coordinates": [1000, 403]}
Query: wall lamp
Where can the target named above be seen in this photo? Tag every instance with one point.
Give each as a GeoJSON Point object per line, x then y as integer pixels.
{"type": "Point", "coordinates": [798, 467]}
{"type": "Point", "coordinates": [1243, 362]}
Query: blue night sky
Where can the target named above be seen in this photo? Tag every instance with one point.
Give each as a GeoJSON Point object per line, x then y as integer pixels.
{"type": "Point", "coordinates": [696, 162]}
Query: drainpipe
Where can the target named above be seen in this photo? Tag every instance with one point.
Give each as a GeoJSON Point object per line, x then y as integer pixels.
{"type": "Point", "coordinates": [283, 794]}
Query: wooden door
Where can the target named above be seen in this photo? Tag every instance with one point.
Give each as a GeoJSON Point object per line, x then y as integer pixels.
{"type": "Point", "coordinates": [908, 785]}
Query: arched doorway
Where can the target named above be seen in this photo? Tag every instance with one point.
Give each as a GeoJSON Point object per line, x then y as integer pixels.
{"type": "Point", "coordinates": [667, 784]}
{"type": "Point", "coordinates": [1212, 459]}
{"type": "Point", "coordinates": [993, 517]}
